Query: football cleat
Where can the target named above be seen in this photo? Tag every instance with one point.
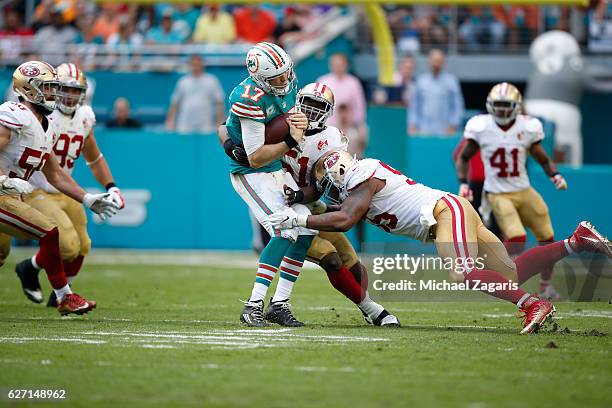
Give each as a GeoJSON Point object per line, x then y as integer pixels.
{"type": "Point", "coordinates": [280, 313]}
{"type": "Point", "coordinates": [28, 275]}
{"type": "Point", "coordinates": [587, 238]}
{"type": "Point", "coordinates": [384, 319]}
{"type": "Point", "coordinates": [536, 314]}
{"type": "Point", "coordinates": [52, 302]}
{"type": "Point", "coordinates": [252, 314]}
{"type": "Point", "coordinates": [73, 303]}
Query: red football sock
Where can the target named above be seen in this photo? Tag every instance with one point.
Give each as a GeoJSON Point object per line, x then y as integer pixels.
{"type": "Point", "coordinates": [487, 276]}
{"type": "Point", "coordinates": [344, 282]}
{"type": "Point", "coordinates": [546, 273]}
{"type": "Point", "coordinates": [360, 273]}
{"type": "Point", "coordinates": [515, 245]}
{"type": "Point", "coordinates": [73, 267]}
{"type": "Point", "coordinates": [49, 258]}
{"type": "Point", "coordinates": [539, 259]}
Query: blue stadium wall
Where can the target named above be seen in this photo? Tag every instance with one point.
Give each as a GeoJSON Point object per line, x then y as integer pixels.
{"type": "Point", "coordinates": [179, 194]}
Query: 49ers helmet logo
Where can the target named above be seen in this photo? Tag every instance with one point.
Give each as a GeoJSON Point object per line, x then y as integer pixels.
{"type": "Point", "coordinates": [252, 63]}
{"type": "Point", "coordinates": [29, 70]}
{"type": "Point", "coordinates": [331, 160]}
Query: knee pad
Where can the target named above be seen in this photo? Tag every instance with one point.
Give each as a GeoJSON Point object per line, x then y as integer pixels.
{"type": "Point", "coordinates": [290, 234]}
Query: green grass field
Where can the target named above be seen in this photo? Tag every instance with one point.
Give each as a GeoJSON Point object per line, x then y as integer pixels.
{"type": "Point", "coordinates": [167, 335]}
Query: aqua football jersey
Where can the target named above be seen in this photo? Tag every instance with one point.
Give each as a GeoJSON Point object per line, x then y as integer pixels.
{"type": "Point", "coordinates": [247, 100]}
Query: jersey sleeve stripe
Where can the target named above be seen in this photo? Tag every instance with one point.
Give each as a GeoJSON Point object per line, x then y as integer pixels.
{"type": "Point", "coordinates": [11, 123]}
{"type": "Point", "coordinates": [247, 115]}
{"type": "Point", "coordinates": [247, 107]}
{"type": "Point", "coordinates": [238, 109]}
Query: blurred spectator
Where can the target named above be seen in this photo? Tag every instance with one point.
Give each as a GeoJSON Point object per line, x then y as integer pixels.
{"type": "Point", "coordinates": [346, 88]}
{"type": "Point", "coordinates": [13, 25]}
{"type": "Point", "coordinates": [145, 18]}
{"type": "Point", "coordinates": [356, 134]}
{"type": "Point", "coordinates": [184, 18]}
{"type": "Point", "coordinates": [126, 34]}
{"type": "Point", "coordinates": [214, 27]}
{"type": "Point", "coordinates": [42, 14]}
{"type": "Point", "coordinates": [254, 24]}
{"type": "Point", "coordinates": [197, 103]}
{"type": "Point", "coordinates": [404, 78]}
{"type": "Point", "coordinates": [122, 117]}
{"type": "Point", "coordinates": [600, 27]}
{"type": "Point", "coordinates": [436, 103]}
{"type": "Point", "coordinates": [288, 30]}
{"type": "Point", "coordinates": [165, 33]}
{"type": "Point", "coordinates": [480, 28]}
{"type": "Point", "coordinates": [107, 21]}
{"type": "Point", "coordinates": [52, 39]}
{"type": "Point", "coordinates": [86, 35]}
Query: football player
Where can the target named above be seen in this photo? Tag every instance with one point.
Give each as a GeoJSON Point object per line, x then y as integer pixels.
{"type": "Point", "coordinates": [27, 137]}
{"type": "Point", "coordinates": [330, 250]}
{"type": "Point", "coordinates": [74, 123]}
{"type": "Point", "coordinates": [395, 203]}
{"type": "Point", "coordinates": [504, 137]}
{"type": "Point", "coordinates": [268, 91]}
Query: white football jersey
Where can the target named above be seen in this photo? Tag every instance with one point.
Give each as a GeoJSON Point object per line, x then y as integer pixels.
{"type": "Point", "coordinates": [504, 153]}
{"type": "Point", "coordinates": [403, 206]}
{"type": "Point", "coordinates": [72, 131]}
{"type": "Point", "coordinates": [30, 144]}
{"type": "Point", "coordinates": [299, 164]}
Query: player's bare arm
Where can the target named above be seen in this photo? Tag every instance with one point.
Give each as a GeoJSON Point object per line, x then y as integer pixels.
{"type": "Point", "coordinates": [462, 162]}
{"type": "Point", "coordinates": [61, 180]}
{"type": "Point", "coordinates": [266, 154]}
{"type": "Point", "coordinates": [99, 168]}
{"type": "Point", "coordinates": [351, 211]}
{"type": "Point", "coordinates": [306, 194]}
{"type": "Point", "coordinates": [550, 168]}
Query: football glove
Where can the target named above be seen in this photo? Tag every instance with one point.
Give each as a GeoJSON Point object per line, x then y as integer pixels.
{"type": "Point", "coordinates": [466, 192]}
{"type": "Point", "coordinates": [559, 181]}
{"type": "Point", "coordinates": [13, 185]}
{"type": "Point", "coordinates": [100, 204]}
{"type": "Point", "coordinates": [287, 219]}
{"type": "Point", "coordinates": [292, 196]}
{"type": "Point", "coordinates": [236, 152]}
{"type": "Point", "coordinates": [116, 197]}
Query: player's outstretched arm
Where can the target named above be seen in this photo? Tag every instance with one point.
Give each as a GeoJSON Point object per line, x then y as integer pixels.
{"type": "Point", "coordinates": [98, 203]}
{"type": "Point", "coordinates": [99, 168]}
{"type": "Point", "coordinates": [470, 148]}
{"type": "Point", "coordinates": [306, 194]}
{"type": "Point", "coordinates": [550, 168]}
{"type": "Point", "coordinates": [352, 210]}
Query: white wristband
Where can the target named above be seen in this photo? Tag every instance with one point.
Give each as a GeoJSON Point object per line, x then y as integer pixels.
{"type": "Point", "coordinates": [301, 220]}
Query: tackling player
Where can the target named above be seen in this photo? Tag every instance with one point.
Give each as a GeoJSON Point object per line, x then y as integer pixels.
{"type": "Point", "coordinates": [268, 91]}
{"type": "Point", "coordinates": [398, 205]}
{"type": "Point", "coordinates": [74, 123]}
{"type": "Point", "coordinates": [27, 137]}
{"type": "Point", "coordinates": [504, 137]}
{"type": "Point", "coordinates": [330, 250]}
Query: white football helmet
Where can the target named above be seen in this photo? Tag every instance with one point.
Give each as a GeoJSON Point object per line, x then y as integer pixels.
{"type": "Point", "coordinates": [330, 172]}
{"type": "Point", "coordinates": [266, 61]}
{"type": "Point", "coordinates": [36, 82]}
{"type": "Point", "coordinates": [316, 101]}
{"type": "Point", "coordinates": [72, 89]}
{"type": "Point", "coordinates": [504, 103]}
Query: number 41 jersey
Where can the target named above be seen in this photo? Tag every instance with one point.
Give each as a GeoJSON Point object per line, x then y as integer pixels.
{"type": "Point", "coordinates": [72, 132]}
{"type": "Point", "coordinates": [504, 153]}
{"type": "Point", "coordinates": [30, 144]}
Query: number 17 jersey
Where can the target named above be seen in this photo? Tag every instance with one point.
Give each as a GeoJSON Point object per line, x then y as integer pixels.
{"type": "Point", "coordinates": [504, 152]}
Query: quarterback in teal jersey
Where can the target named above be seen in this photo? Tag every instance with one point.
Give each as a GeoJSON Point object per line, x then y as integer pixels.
{"type": "Point", "coordinates": [269, 91]}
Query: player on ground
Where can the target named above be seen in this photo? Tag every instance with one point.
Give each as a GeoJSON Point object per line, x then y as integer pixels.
{"type": "Point", "coordinates": [330, 250]}
{"type": "Point", "coordinates": [74, 123]}
{"type": "Point", "coordinates": [395, 203]}
{"type": "Point", "coordinates": [27, 137]}
{"type": "Point", "coordinates": [268, 92]}
{"type": "Point", "coordinates": [504, 137]}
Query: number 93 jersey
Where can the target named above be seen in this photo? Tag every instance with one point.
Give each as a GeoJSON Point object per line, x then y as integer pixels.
{"type": "Point", "coordinates": [504, 153]}
{"type": "Point", "coordinates": [299, 164]}
{"type": "Point", "coordinates": [30, 144]}
{"type": "Point", "coordinates": [72, 131]}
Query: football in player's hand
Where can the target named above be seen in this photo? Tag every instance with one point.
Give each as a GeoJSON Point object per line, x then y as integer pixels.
{"type": "Point", "coordinates": [277, 129]}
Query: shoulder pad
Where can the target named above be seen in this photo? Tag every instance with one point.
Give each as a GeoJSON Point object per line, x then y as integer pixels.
{"type": "Point", "coordinates": [362, 171]}
{"type": "Point", "coordinates": [12, 117]}
{"type": "Point", "coordinates": [87, 113]}
{"type": "Point", "coordinates": [533, 125]}
{"type": "Point", "coordinates": [477, 124]}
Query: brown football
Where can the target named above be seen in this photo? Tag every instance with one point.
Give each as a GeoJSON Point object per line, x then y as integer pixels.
{"type": "Point", "coordinates": [277, 129]}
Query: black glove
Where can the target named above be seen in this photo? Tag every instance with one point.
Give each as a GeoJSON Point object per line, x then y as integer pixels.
{"type": "Point", "coordinates": [293, 196]}
{"type": "Point", "coordinates": [236, 152]}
